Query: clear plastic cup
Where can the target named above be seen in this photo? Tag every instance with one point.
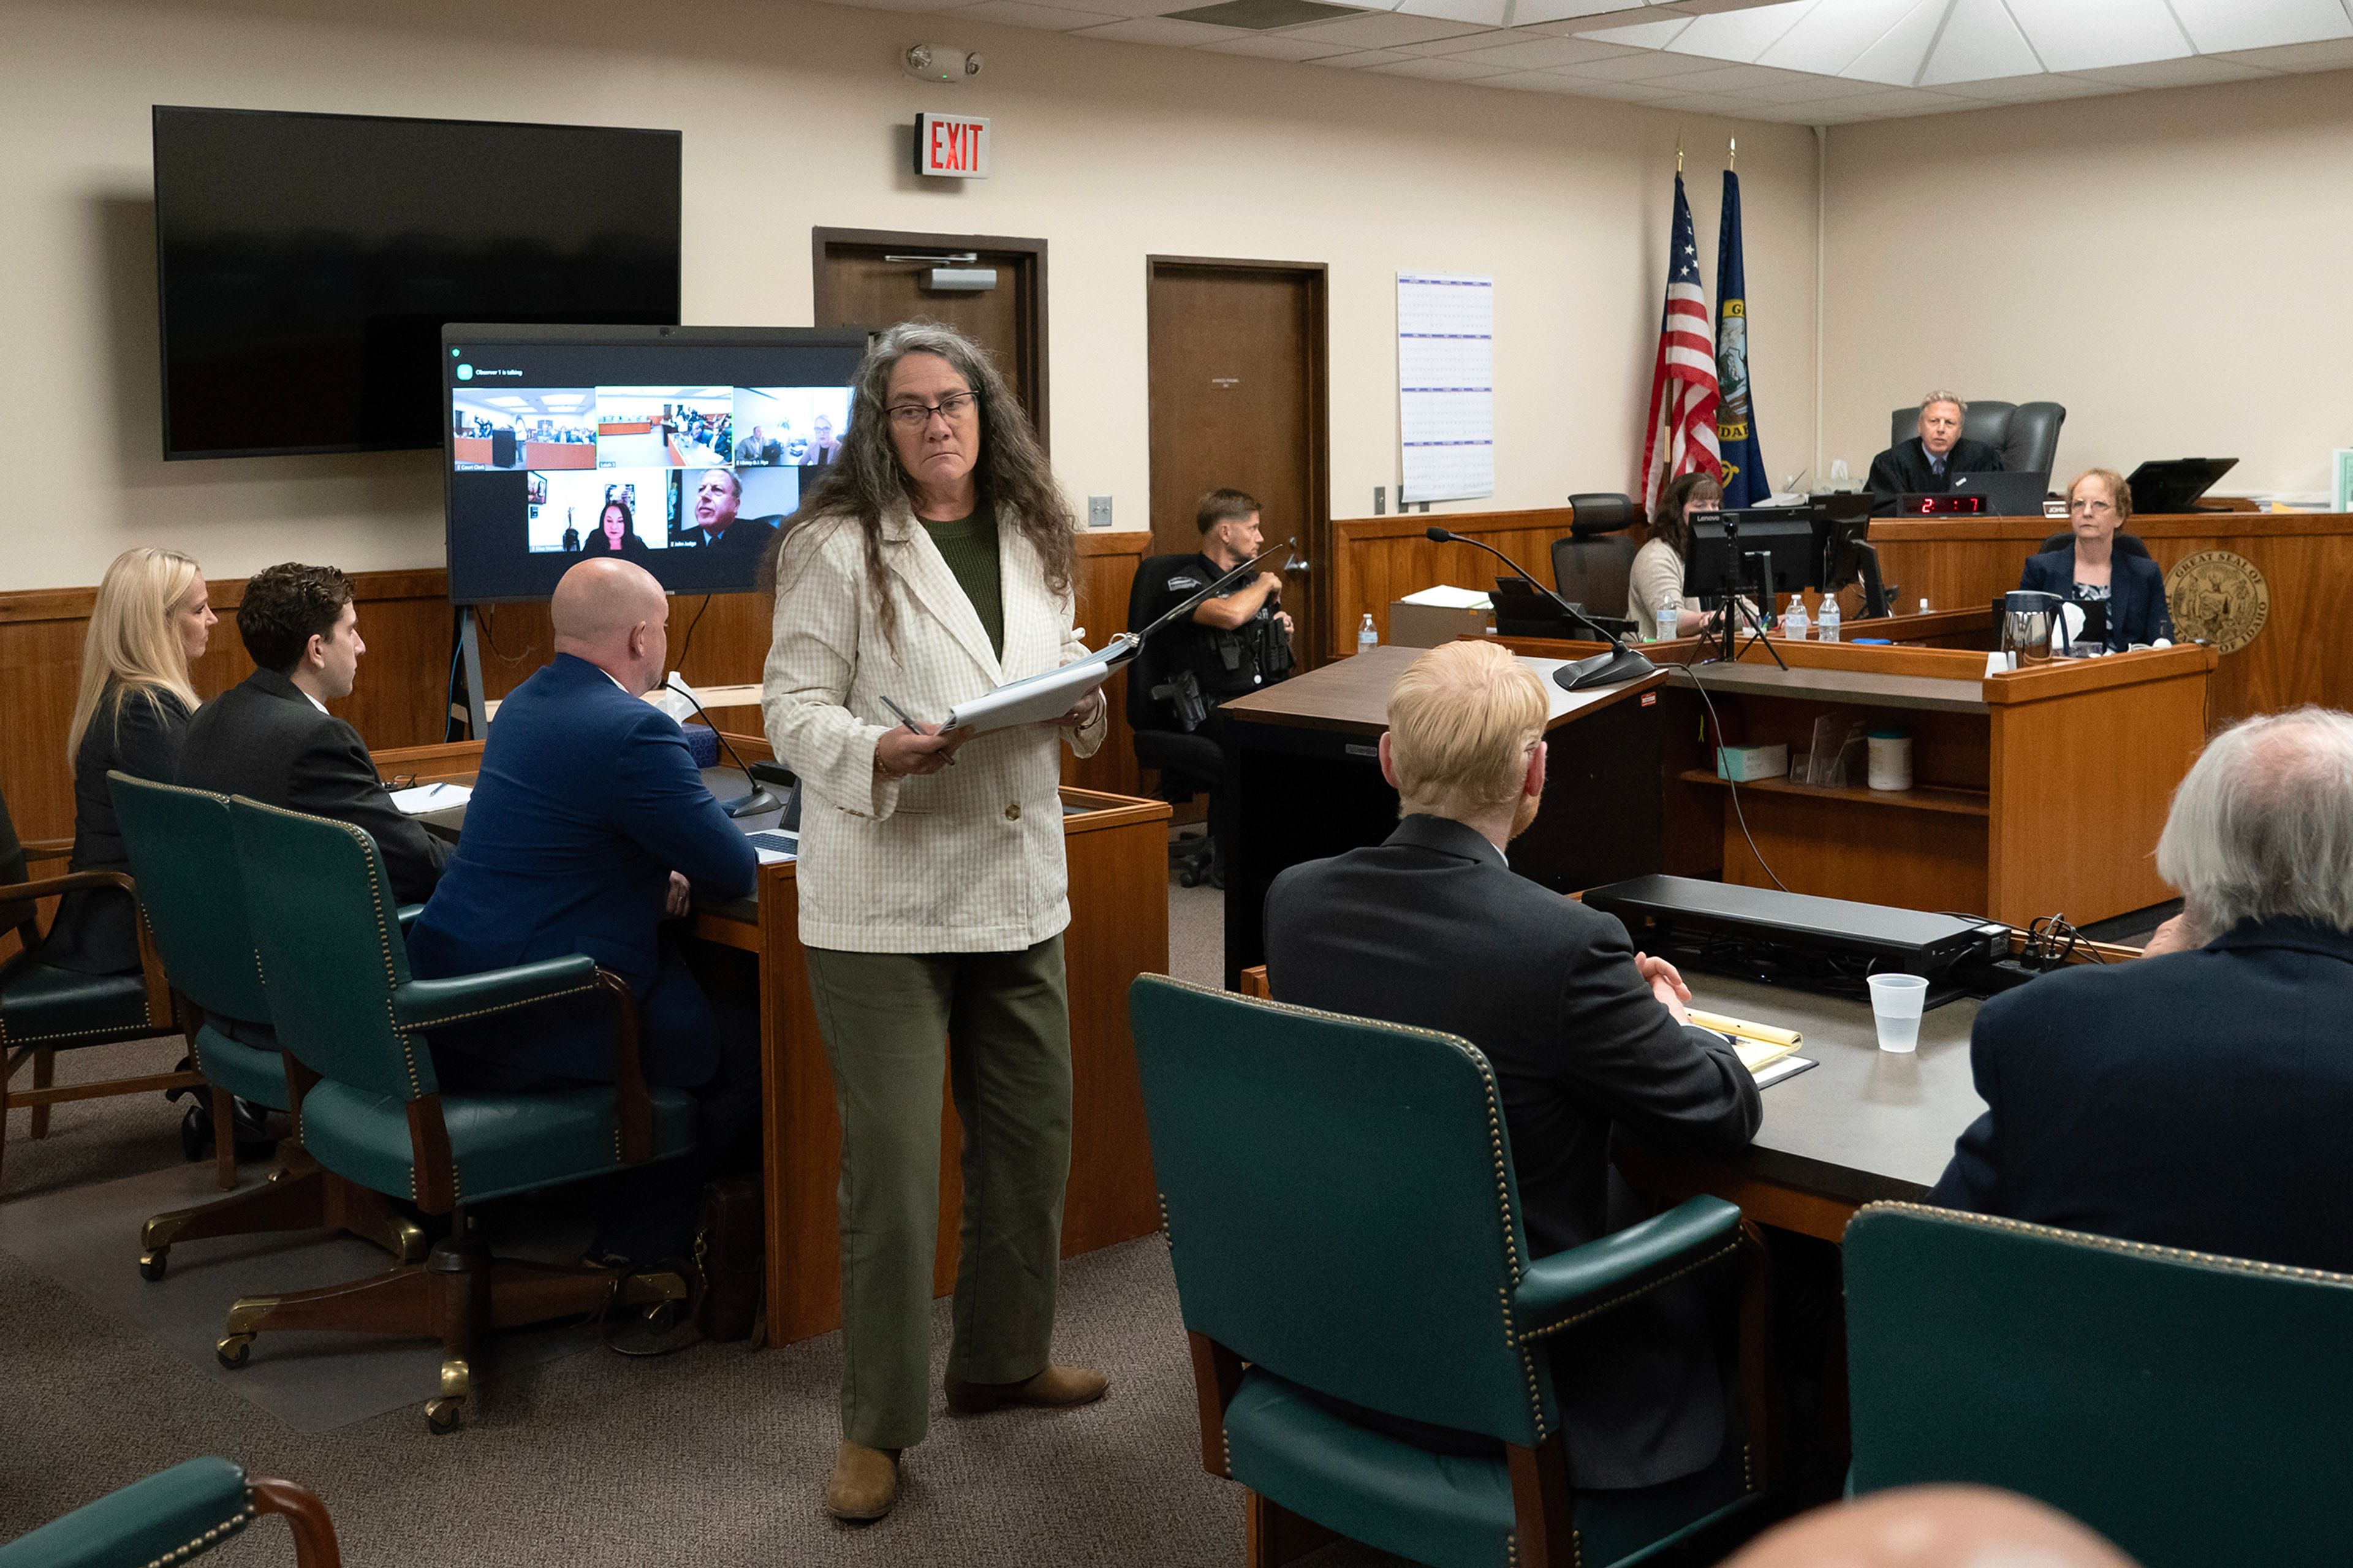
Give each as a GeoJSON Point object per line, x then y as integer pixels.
{"type": "Point", "coordinates": [1895, 1004]}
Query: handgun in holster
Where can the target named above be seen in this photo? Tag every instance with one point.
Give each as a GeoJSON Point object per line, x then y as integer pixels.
{"type": "Point", "coordinates": [1182, 691]}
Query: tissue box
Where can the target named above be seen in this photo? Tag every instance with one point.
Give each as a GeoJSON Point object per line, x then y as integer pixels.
{"type": "Point", "coordinates": [1742, 764]}
{"type": "Point", "coordinates": [702, 744]}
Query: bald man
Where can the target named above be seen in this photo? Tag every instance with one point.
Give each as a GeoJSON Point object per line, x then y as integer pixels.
{"type": "Point", "coordinates": [1932, 1527]}
{"type": "Point", "coordinates": [718, 496]}
{"type": "Point", "coordinates": [589, 825]}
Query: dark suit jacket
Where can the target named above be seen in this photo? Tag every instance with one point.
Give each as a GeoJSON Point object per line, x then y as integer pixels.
{"type": "Point", "coordinates": [95, 931]}
{"type": "Point", "coordinates": [1433, 929]}
{"type": "Point", "coordinates": [2136, 607]}
{"type": "Point", "coordinates": [745, 533]}
{"type": "Point", "coordinates": [2198, 1099]}
{"type": "Point", "coordinates": [1903, 468]}
{"type": "Point", "coordinates": [264, 740]}
{"type": "Point", "coordinates": [586, 801]}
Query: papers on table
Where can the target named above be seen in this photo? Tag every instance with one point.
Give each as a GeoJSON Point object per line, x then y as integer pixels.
{"type": "Point", "coordinates": [1040, 697]}
{"type": "Point", "coordinates": [1764, 1049]}
{"type": "Point", "coordinates": [1446, 386]}
{"type": "Point", "coordinates": [1788, 1067]}
{"type": "Point", "coordinates": [1447, 597]}
{"type": "Point", "coordinates": [416, 802]}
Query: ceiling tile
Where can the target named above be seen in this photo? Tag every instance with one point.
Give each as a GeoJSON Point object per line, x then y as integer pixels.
{"type": "Point", "coordinates": [1796, 87]}
{"type": "Point", "coordinates": [1542, 54]}
{"type": "Point", "coordinates": [1832, 37]}
{"type": "Point", "coordinates": [2030, 88]}
{"type": "Point", "coordinates": [1702, 103]}
{"type": "Point", "coordinates": [2086, 34]}
{"type": "Point", "coordinates": [1979, 40]}
{"type": "Point", "coordinates": [1591, 12]}
{"type": "Point", "coordinates": [1639, 67]}
{"type": "Point", "coordinates": [1530, 81]}
{"type": "Point", "coordinates": [1643, 35]}
{"type": "Point", "coordinates": [1383, 30]}
{"type": "Point", "coordinates": [1741, 35]}
{"type": "Point", "coordinates": [1363, 59]}
{"type": "Point", "coordinates": [1438, 69]}
{"type": "Point", "coordinates": [1020, 14]}
{"type": "Point", "coordinates": [2333, 55]}
{"type": "Point", "coordinates": [2215, 26]}
{"type": "Point", "coordinates": [1268, 47]}
{"type": "Point", "coordinates": [1896, 57]}
{"type": "Point", "coordinates": [908, 5]}
{"type": "Point", "coordinates": [1733, 79]}
{"type": "Point", "coordinates": [1893, 105]}
{"type": "Point", "coordinates": [1622, 91]}
{"type": "Point", "coordinates": [2196, 70]}
{"type": "Point", "coordinates": [1158, 30]}
{"type": "Point", "coordinates": [1484, 13]}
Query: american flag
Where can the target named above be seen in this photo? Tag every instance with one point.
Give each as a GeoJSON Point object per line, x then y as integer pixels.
{"type": "Point", "coordinates": [1683, 379]}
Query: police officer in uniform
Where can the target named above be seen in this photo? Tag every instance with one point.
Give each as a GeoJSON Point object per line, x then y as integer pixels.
{"type": "Point", "coordinates": [1236, 641]}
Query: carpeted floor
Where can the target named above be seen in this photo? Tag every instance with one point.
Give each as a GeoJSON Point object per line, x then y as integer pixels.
{"type": "Point", "coordinates": [713, 1456]}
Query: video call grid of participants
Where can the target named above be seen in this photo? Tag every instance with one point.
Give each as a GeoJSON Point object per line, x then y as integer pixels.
{"type": "Point", "coordinates": [627, 469]}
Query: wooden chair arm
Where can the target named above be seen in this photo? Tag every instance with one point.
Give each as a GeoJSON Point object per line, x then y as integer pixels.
{"type": "Point", "coordinates": [305, 1515]}
{"type": "Point", "coordinates": [71, 882]}
{"type": "Point", "coordinates": [633, 1105]}
{"type": "Point", "coordinates": [47, 849]}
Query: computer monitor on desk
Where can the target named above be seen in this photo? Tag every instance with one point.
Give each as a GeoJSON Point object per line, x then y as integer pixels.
{"type": "Point", "coordinates": [1722, 560]}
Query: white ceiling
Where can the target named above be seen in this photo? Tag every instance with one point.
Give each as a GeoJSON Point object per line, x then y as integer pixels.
{"type": "Point", "coordinates": [1811, 62]}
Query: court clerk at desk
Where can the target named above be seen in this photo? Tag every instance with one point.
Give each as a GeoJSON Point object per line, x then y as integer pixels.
{"type": "Point", "coordinates": [589, 823]}
{"type": "Point", "coordinates": [1925, 464]}
{"type": "Point", "coordinates": [2130, 588]}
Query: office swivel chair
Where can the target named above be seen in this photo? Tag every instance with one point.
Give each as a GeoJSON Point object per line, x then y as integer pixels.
{"type": "Point", "coordinates": [185, 853]}
{"type": "Point", "coordinates": [44, 1009]}
{"type": "Point", "coordinates": [334, 969]}
{"type": "Point", "coordinates": [2192, 1408]}
{"type": "Point", "coordinates": [173, 1516]}
{"type": "Point", "coordinates": [2026, 434]}
{"type": "Point", "coordinates": [2125, 544]}
{"type": "Point", "coordinates": [1592, 566]}
{"type": "Point", "coordinates": [1344, 1226]}
{"type": "Point", "coordinates": [1190, 764]}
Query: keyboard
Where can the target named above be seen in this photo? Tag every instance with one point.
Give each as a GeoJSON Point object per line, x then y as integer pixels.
{"type": "Point", "coordinates": [775, 843]}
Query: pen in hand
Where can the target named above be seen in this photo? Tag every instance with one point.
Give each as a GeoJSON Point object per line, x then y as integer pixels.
{"type": "Point", "coordinates": [911, 727]}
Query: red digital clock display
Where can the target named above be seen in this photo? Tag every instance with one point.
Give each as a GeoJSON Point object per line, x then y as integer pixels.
{"type": "Point", "coordinates": [1947, 505]}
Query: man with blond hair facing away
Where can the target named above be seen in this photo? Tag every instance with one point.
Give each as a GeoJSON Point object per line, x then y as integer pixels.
{"type": "Point", "coordinates": [1433, 929]}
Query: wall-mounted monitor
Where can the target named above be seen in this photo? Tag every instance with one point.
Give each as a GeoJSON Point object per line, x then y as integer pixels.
{"type": "Point", "coordinates": [681, 449]}
{"type": "Point", "coordinates": [306, 263]}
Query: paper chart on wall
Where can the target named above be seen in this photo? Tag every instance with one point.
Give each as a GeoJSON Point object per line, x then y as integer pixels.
{"type": "Point", "coordinates": [1446, 386]}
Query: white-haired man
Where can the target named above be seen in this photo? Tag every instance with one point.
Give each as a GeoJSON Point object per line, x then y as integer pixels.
{"type": "Point", "coordinates": [1927, 464]}
{"type": "Point", "coordinates": [2197, 1099]}
{"type": "Point", "coordinates": [1586, 1035]}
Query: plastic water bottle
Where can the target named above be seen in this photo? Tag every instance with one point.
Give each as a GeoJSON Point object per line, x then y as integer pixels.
{"type": "Point", "coordinates": [1367, 637]}
{"type": "Point", "coordinates": [1830, 621]}
{"type": "Point", "coordinates": [1793, 619]}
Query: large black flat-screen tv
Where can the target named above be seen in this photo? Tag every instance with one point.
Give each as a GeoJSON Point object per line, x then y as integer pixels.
{"type": "Point", "coordinates": [681, 449]}
{"type": "Point", "coordinates": [306, 263]}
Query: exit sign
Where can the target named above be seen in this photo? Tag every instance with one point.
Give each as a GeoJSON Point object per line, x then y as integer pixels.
{"type": "Point", "coordinates": [952, 146]}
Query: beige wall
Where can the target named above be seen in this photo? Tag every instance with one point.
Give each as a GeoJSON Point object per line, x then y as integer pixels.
{"type": "Point", "coordinates": [793, 117]}
{"type": "Point", "coordinates": [2168, 265]}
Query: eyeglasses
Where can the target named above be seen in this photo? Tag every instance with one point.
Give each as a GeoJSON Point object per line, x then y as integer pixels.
{"type": "Point", "coordinates": [915, 415]}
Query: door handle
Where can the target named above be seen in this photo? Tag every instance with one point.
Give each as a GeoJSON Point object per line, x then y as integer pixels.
{"type": "Point", "coordinates": [1296, 567]}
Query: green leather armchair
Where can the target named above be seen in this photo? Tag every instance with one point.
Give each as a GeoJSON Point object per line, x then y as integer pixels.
{"type": "Point", "coordinates": [352, 1023]}
{"type": "Point", "coordinates": [185, 855]}
{"type": "Point", "coordinates": [2193, 1409]}
{"type": "Point", "coordinates": [174, 1515]}
{"type": "Point", "coordinates": [1344, 1222]}
{"type": "Point", "coordinates": [44, 1009]}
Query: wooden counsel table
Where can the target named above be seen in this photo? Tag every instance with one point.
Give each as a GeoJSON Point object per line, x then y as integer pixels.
{"type": "Point", "coordinates": [2037, 792]}
{"type": "Point", "coordinates": [2266, 588]}
{"type": "Point", "coordinates": [1119, 928]}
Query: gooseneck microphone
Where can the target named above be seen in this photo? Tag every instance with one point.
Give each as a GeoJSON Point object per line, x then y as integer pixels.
{"type": "Point", "coordinates": [1621, 663]}
{"type": "Point", "coordinates": [752, 805]}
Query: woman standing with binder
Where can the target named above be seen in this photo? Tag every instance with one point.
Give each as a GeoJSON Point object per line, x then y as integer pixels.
{"type": "Point", "coordinates": [931, 564]}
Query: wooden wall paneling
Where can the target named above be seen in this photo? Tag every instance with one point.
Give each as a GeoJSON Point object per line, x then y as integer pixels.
{"type": "Point", "coordinates": [1376, 560]}
{"type": "Point", "coordinates": [1833, 849]}
{"type": "Point", "coordinates": [1106, 570]}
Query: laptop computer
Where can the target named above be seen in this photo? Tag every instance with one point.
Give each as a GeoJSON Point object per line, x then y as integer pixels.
{"type": "Point", "coordinates": [2174, 484]}
{"type": "Point", "coordinates": [2006, 495]}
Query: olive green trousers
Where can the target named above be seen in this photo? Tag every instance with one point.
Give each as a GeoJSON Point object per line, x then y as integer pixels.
{"type": "Point", "coordinates": [996, 1025]}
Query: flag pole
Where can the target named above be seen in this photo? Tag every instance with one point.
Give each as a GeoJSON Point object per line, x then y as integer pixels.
{"type": "Point", "coordinates": [1733, 156]}
{"type": "Point", "coordinates": [1679, 154]}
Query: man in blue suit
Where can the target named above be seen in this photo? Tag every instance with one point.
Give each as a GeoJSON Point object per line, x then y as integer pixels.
{"type": "Point", "coordinates": [2197, 1098]}
{"type": "Point", "coordinates": [589, 824]}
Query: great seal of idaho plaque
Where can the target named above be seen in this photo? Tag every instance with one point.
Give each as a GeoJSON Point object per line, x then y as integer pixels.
{"type": "Point", "coordinates": [2218, 596]}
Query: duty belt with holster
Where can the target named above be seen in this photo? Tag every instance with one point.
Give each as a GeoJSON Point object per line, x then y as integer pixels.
{"type": "Point", "coordinates": [1226, 663]}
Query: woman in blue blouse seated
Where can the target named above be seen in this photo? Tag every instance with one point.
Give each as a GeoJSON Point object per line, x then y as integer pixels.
{"type": "Point", "coordinates": [2096, 572]}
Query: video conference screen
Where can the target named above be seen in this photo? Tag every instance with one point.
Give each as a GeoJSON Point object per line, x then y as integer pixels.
{"type": "Point", "coordinates": [681, 449]}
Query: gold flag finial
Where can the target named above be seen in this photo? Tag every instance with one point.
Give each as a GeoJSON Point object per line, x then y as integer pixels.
{"type": "Point", "coordinates": [1679, 154]}
{"type": "Point", "coordinates": [1733, 156]}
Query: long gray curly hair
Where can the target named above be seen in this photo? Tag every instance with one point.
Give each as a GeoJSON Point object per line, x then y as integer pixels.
{"type": "Point", "coordinates": [868, 479]}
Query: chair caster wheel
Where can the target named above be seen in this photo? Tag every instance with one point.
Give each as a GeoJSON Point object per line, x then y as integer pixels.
{"type": "Point", "coordinates": [234, 1349]}
{"type": "Point", "coordinates": [196, 1133]}
{"type": "Point", "coordinates": [441, 1416]}
{"type": "Point", "coordinates": [1189, 878]}
{"type": "Point", "coordinates": [151, 1264]}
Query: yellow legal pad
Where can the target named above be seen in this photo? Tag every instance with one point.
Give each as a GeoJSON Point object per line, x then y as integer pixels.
{"type": "Point", "coordinates": [1759, 1045]}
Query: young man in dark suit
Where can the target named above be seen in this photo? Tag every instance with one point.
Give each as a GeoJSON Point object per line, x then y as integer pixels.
{"type": "Point", "coordinates": [270, 737]}
{"type": "Point", "coordinates": [1925, 464]}
{"type": "Point", "coordinates": [2198, 1097]}
{"type": "Point", "coordinates": [588, 826]}
{"type": "Point", "coordinates": [1586, 1035]}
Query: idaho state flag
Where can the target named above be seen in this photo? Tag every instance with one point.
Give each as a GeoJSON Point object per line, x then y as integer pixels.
{"type": "Point", "coordinates": [1745, 481]}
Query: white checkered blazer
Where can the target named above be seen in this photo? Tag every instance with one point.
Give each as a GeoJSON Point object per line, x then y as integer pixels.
{"type": "Point", "coordinates": [969, 859]}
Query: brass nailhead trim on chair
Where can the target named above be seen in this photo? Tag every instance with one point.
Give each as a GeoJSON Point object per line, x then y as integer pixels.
{"type": "Point", "coordinates": [2116, 1244]}
{"type": "Point", "coordinates": [1616, 1301]}
{"type": "Point", "coordinates": [209, 1539]}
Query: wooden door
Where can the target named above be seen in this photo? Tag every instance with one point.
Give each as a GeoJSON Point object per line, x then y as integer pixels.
{"type": "Point", "coordinates": [1238, 399]}
{"type": "Point", "coordinates": [859, 285]}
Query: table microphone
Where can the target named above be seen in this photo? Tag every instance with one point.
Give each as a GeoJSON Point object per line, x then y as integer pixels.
{"type": "Point", "coordinates": [752, 805]}
{"type": "Point", "coordinates": [1621, 663]}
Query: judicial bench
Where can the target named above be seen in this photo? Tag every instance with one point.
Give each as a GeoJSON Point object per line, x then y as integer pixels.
{"type": "Point", "coordinates": [1119, 928]}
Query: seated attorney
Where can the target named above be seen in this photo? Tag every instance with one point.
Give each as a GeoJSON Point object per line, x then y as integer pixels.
{"type": "Point", "coordinates": [270, 737]}
{"type": "Point", "coordinates": [718, 496]}
{"type": "Point", "coordinates": [1586, 1035]}
{"type": "Point", "coordinates": [590, 823]}
{"type": "Point", "coordinates": [2129, 588]}
{"type": "Point", "coordinates": [1925, 464]}
{"type": "Point", "coordinates": [2197, 1098]}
